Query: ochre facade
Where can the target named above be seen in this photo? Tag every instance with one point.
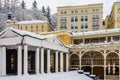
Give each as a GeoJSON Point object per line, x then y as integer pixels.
{"type": "Point", "coordinates": [113, 20]}
{"type": "Point", "coordinates": [36, 26]}
{"type": "Point", "coordinates": [81, 18]}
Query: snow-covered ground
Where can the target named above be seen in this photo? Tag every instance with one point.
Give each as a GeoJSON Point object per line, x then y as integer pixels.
{"type": "Point", "coordinates": [72, 75]}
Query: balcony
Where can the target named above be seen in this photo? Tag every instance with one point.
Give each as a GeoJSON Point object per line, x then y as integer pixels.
{"type": "Point", "coordinates": [95, 26]}
{"type": "Point", "coordinates": [95, 18]}
{"type": "Point", "coordinates": [63, 20]}
{"type": "Point", "coordinates": [103, 45]}
{"type": "Point", "coordinates": [63, 27]}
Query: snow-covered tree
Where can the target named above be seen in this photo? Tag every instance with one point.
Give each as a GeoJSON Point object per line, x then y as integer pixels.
{"type": "Point", "coordinates": [37, 14]}
{"type": "Point", "coordinates": [2, 21]}
{"type": "Point", "coordinates": [34, 4]}
{"type": "Point", "coordinates": [54, 20]}
{"type": "Point", "coordinates": [23, 5]}
{"type": "Point", "coordinates": [43, 11]}
{"type": "Point", "coordinates": [48, 15]}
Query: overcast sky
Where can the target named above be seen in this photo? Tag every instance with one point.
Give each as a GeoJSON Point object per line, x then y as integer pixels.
{"type": "Point", "coordinates": [56, 3]}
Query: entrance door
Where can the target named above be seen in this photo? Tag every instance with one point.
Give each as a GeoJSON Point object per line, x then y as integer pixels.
{"type": "Point", "coordinates": [11, 62]}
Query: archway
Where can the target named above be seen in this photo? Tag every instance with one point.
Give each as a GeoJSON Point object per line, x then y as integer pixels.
{"type": "Point", "coordinates": [74, 61]}
{"type": "Point", "coordinates": [99, 72]}
{"type": "Point", "coordinates": [91, 59]}
{"type": "Point", "coordinates": [112, 62]}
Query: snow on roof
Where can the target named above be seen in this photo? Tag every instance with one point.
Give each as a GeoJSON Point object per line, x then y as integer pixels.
{"type": "Point", "coordinates": [21, 32]}
{"type": "Point", "coordinates": [32, 22]}
{"type": "Point", "coordinates": [96, 32]}
{"type": "Point", "coordinates": [73, 75]}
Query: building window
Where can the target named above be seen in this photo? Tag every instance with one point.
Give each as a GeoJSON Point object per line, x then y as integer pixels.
{"type": "Point", "coordinates": [97, 10]}
{"type": "Point", "coordinates": [95, 24]}
{"type": "Point", "coordinates": [76, 11]}
{"type": "Point", "coordinates": [65, 12]}
{"type": "Point", "coordinates": [72, 12]}
{"type": "Point", "coordinates": [61, 12]}
{"type": "Point", "coordinates": [36, 27]}
{"type": "Point", "coordinates": [82, 25]}
{"type": "Point", "coordinates": [72, 19]}
{"type": "Point", "coordinates": [82, 11]}
{"type": "Point", "coordinates": [86, 18]}
{"type": "Point", "coordinates": [95, 16]}
{"type": "Point", "coordinates": [93, 10]}
{"type": "Point", "coordinates": [31, 27]}
{"type": "Point", "coordinates": [74, 26]}
{"type": "Point", "coordinates": [63, 26]}
{"type": "Point", "coordinates": [63, 19]}
{"type": "Point", "coordinates": [82, 18]}
{"type": "Point", "coordinates": [86, 25]}
{"type": "Point", "coordinates": [76, 18]}
{"type": "Point", "coordinates": [86, 11]}
{"type": "Point", "coordinates": [26, 27]}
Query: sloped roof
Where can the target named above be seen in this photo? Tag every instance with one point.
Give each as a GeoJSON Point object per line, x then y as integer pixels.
{"type": "Point", "coordinates": [26, 33]}
{"type": "Point", "coordinates": [31, 34]}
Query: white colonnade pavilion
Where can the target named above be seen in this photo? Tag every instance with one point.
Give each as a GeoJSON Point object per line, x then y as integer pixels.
{"type": "Point", "coordinates": [24, 53]}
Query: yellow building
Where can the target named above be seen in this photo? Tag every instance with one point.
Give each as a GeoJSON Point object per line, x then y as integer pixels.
{"type": "Point", "coordinates": [81, 18]}
{"type": "Point", "coordinates": [35, 26]}
{"type": "Point", "coordinates": [64, 36]}
{"type": "Point", "coordinates": [113, 20]}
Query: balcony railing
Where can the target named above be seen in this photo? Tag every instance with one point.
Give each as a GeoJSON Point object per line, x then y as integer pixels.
{"type": "Point", "coordinates": [63, 27]}
{"type": "Point", "coordinates": [95, 26]}
{"type": "Point", "coordinates": [63, 20]}
{"type": "Point", "coordinates": [97, 45]}
{"type": "Point", "coordinates": [95, 18]}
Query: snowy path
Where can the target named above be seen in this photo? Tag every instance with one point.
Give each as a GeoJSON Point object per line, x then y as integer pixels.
{"type": "Point", "coordinates": [73, 75]}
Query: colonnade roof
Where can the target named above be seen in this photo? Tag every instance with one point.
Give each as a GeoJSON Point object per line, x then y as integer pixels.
{"type": "Point", "coordinates": [26, 33]}
{"type": "Point", "coordinates": [31, 38]}
{"type": "Point", "coordinates": [117, 30]}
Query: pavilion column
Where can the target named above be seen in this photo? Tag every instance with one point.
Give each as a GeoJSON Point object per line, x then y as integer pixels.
{"type": "Point", "coordinates": [92, 66]}
{"type": "Point", "coordinates": [61, 61]}
{"type": "Point", "coordinates": [56, 61]}
{"type": "Point", "coordinates": [80, 59]}
{"type": "Point", "coordinates": [19, 63]}
{"type": "Point", "coordinates": [3, 61]}
{"type": "Point", "coordinates": [67, 62]}
{"type": "Point", "coordinates": [25, 59]}
{"type": "Point", "coordinates": [104, 64]}
{"type": "Point", "coordinates": [119, 64]}
{"type": "Point", "coordinates": [48, 60]}
{"type": "Point", "coordinates": [37, 61]}
{"type": "Point", "coordinates": [42, 60]}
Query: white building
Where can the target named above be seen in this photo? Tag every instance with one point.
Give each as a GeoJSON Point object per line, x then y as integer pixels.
{"type": "Point", "coordinates": [23, 53]}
